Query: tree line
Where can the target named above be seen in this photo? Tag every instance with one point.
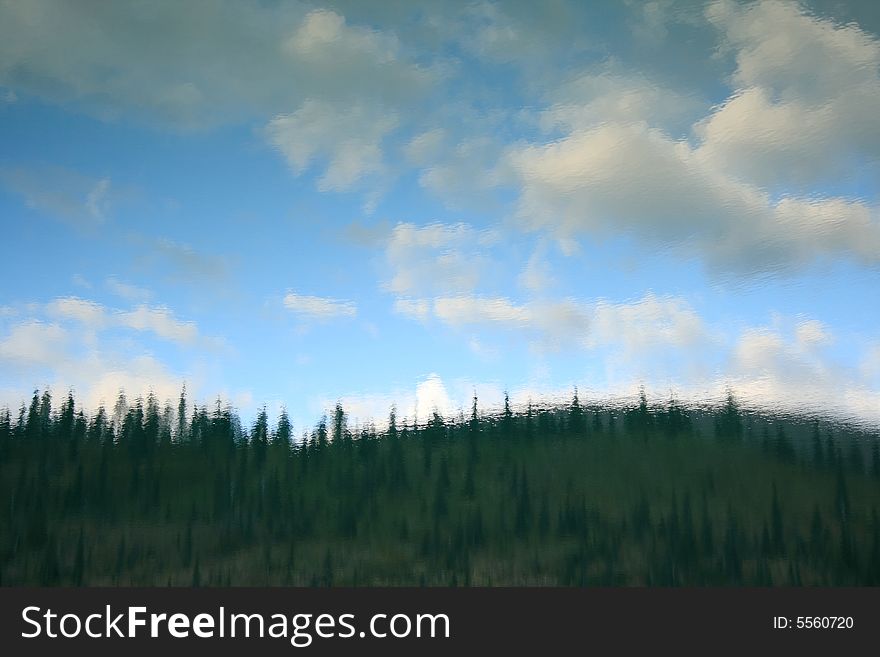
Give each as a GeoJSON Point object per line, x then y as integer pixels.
{"type": "Point", "coordinates": [574, 494]}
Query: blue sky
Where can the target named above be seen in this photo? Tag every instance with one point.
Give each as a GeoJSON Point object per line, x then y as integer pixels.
{"type": "Point", "coordinates": [298, 203]}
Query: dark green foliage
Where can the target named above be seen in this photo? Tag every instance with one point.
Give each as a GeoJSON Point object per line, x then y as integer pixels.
{"type": "Point", "coordinates": [559, 495]}
{"type": "Point", "coordinates": [283, 434]}
{"type": "Point", "coordinates": [728, 422]}
{"type": "Point", "coordinates": [577, 422]}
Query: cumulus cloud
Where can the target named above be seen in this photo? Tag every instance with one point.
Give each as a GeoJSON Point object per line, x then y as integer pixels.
{"type": "Point", "coordinates": [437, 258]}
{"type": "Point", "coordinates": [765, 366]}
{"type": "Point", "coordinates": [811, 334]}
{"type": "Point", "coordinates": [802, 111]}
{"type": "Point", "coordinates": [217, 64]}
{"type": "Point", "coordinates": [157, 320]}
{"type": "Point", "coordinates": [318, 308]}
{"type": "Point", "coordinates": [418, 309]}
{"type": "Point", "coordinates": [461, 168]}
{"type": "Point", "coordinates": [346, 139]}
{"type": "Point", "coordinates": [463, 310]}
{"type": "Point", "coordinates": [411, 405]}
{"type": "Point", "coordinates": [807, 95]}
{"type": "Point", "coordinates": [66, 358]}
{"type": "Point", "coordinates": [772, 370]}
{"type": "Point", "coordinates": [649, 322]}
{"type": "Point", "coordinates": [870, 363]}
{"type": "Point", "coordinates": [593, 98]}
{"type": "Point", "coordinates": [633, 328]}
{"type": "Point", "coordinates": [323, 32]}
{"type": "Point", "coordinates": [89, 313]}
{"type": "Point", "coordinates": [33, 342]}
{"type": "Point", "coordinates": [330, 91]}
{"type": "Point", "coordinates": [585, 182]}
{"type": "Point", "coordinates": [431, 396]}
{"type": "Point", "coordinates": [160, 321]}
{"type": "Point", "coordinates": [79, 344]}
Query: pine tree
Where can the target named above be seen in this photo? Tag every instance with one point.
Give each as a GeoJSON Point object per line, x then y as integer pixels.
{"type": "Point", "coordinates": [392, 423]}
{"type": "Point", "coordinates": [576, 421]}
{"type": "Point", "coordinates": [98, 429]}
{"type": "Point", "coordinates": [46, 414]}
{"type": "Point", "coordinates": [32, 426]}
{"type": "Point", "coordinates": [6, 432]}
{"type": "Point", "coordinates": [474, 423]}
{"type": "Point", "coordinates": [507, 418]}
{"type": "Point", "coordinates": [284, 432]}
{"type": "Point", "coordinates": [728, 422]}
{"type": "Point", "coordinates": [151, 423]}
{"type": "Point", "coordinates": [182, 435]}
{"type": "Point", "coordinates": [340, 432]}
{"type": "Point", "coordinates": [64, 426]}
{"type": "Point", "coordinates": [321, 433]}
{"type": "Point", "coordinates": [260, 435]}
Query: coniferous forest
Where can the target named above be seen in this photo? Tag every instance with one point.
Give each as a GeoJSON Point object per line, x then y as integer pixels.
{"type": "Point", "coordinates": [568, 495]}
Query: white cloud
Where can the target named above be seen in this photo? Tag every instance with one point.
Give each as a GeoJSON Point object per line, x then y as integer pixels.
{"type": "Point", "coordinates": [649, 323]}
{"type": "Point", "coordinates": [160, 321]}
{"type": "Point", "coordinates": [96, 351]}
{"type": "Point", "coordinates": [595, 98]}
{"type": "Point", "coordinates": [870, 364]}
{"type": "Point", "coordinates": [425, 147]}
{"type": "Point", "coordinates": [437, 258]}
{"type": "Point", "coordinates": [633, 328]}
{"type": "Point", "coordinates": [236, 61]}
{"type": "Point", "coordinates": [431, 396]}
{"type": "Point", "coordinates": [98, 379]}
{"type": "Point", "coordinates": [804, 108]}
{"type": "Point", "coordinates": [807, 95]}
{"type": "Point", "coordinates": [663, 345]}
{"type": "Point", "coordinates": [772, 371]}
{"type": "Point", "coordinates": [457, 152]}
{"type": "Point", "coordinates": [346, 138]}
{"type": "Point", "coordinates": [464, 310]}
{"type": "Point", "coordinates": [89, 313]}
{"type": "Point", "coordinates": [33, 342]}
{"type": "Point", "coordinates": [811, 333]}
{"type": "Point", "coordinates": [461, 173]}
{"type": "Point", "coordinates": [583, 184]}
{"type": "Point", "coordinates": [325, 33]}
{"type": "Point", "coordinates": [318, 308]}
{"type": "Point", "coordinates": [418, 309]}
{"type": "Point", "coordinates": [153, 319]}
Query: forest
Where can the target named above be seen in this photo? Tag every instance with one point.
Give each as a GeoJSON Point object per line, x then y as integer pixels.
{"type": "Point", "coordinates": [571, 494]}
